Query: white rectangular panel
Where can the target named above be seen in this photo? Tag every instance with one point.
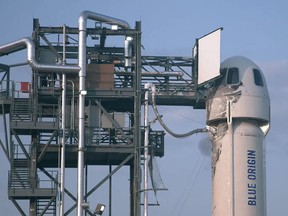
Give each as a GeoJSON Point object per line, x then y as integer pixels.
{"type": "Point", "coordinates": [208, 54]}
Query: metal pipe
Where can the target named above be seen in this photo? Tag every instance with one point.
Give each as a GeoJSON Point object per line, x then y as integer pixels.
{"type": "Point", "coordinates": [82, 22]}
{"type": "Point", "coordinates": [101, 18]}
{"type": "Point", "coordinates": [63, 127]}
{"type": "Point", "coordinates": [146, 144]}
{"type": "Point", "coordinates": [128, 51]}
{"type": "Point", "coordinates": [72, 112]}
{"type": "Point", "coordinates": [165, 73]}
{"type": "Point", "coordinates": [28, 42]}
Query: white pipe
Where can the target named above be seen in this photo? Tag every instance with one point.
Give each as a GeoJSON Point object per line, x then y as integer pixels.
{"type": "Point", "coordinates": [29, 44]}
{"type": "Point", "coordinates": [82, 21]}
{"type": "Point", "coordinates": [63, 127]}
{"type": "Point", "coordinates": [147, 86]}
{"type": "Point", "coordinates": [128, 51]}
{"type": "Point", "coordinates": [72, 114]}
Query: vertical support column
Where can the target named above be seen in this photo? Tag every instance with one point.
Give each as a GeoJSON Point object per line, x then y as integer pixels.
{"type": "Point", "coordinates": [137, 118]}
{"type": "Point", "coordinates": [34, 135]}
{"type": "Point", "coordinates": [86, 186]}
{"type": "Point", "coordinates": [36, 39]}
{"type": "Point", "coordinates": [33, 174]}
{"type": "Point", "coordinates": [110, 191]}
{"type": "Point", "coordinates": [131, 189]}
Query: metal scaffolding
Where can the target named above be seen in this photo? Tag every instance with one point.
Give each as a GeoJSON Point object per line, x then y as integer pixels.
{"type": "Point", "coordinates": [109, 94]}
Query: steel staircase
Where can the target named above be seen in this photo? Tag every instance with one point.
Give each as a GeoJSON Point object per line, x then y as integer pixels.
{"type": "Point", "coordinates": [44, 138]}
{"type": "Point", "coordinates": [21, 109]}
{"type": "Point", "coordinates": [46, 206]}
{"type": "Point", "coordinates": [19, 175]}
{"type": "Point", "coordinates": [19, 178]}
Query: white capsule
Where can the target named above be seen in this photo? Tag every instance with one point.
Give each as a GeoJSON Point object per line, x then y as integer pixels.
{"type": "Point", "coordinates": [238, 106]}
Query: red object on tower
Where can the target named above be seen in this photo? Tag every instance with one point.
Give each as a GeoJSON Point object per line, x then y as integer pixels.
{"type": "Point", "coordinates": [24, 87]}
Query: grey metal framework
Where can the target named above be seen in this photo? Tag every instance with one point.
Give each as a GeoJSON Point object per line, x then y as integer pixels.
{"type": "Point", "coordinates": [113, 128]}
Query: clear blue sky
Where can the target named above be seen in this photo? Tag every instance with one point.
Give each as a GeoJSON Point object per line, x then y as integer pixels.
{"type": "Point", "coordinates": [255, 29]}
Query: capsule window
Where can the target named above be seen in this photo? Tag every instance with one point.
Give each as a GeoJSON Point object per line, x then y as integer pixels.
{"type": "Point", "coordinates": [223, 71]}
{"type": "Point", "coordinates": [232, 76]}
{"type": "Point", "coordinates": [257, 77]}
{"type": "Point", "coordinates": [222, 78]}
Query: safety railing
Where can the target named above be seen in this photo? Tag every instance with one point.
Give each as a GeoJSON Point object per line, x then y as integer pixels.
{"type": "Point", "coordinates": [6, 89]}
{"type": "Point", "coordinates": [47, 113]}
{"type": "Point", "coordinates": [108, 136]}
{"type": "Point", "coordinates": [18, 151]}
{"type": "Point", "coordinates": [21, 179]}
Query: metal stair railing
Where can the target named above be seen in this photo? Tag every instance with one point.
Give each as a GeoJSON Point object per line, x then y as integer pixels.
{"type": "Point", "coordinates": [46, 206]}
{"type": "Point", "coordinates": [21, 109]}
{"type": "Point", "coordinates": [19, 178]}
{"type": "Point", "coordinates": [44, 138]}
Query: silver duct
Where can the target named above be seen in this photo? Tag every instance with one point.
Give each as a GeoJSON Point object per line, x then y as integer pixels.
{"type": "Point", "coordinates": [28, 42]}
{"type": "Point", "coordinates": [128, 51]}
{"type": "Point", "coordinates": [63, 128]}
{"type": "Point", "coordinates": [82, 21]}
{"type": "Point", "coordinates": [147, 87]}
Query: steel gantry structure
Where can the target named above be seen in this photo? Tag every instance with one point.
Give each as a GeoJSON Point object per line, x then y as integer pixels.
{"type": "Point", "coordinates": [93, 116]}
